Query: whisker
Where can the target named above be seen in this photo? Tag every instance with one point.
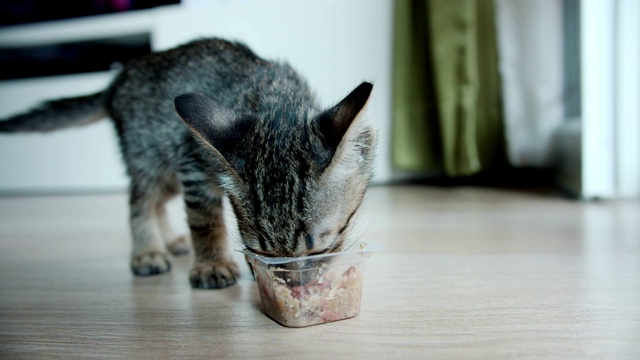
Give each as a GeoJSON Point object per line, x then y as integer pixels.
{"type": "Point", "coordinates": [365, 220]}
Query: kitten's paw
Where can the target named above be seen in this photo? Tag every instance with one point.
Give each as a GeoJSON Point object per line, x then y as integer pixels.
{"type": "Point", "coordinates": [152, 263]}
{"type": "Point", "coordinates": [214, 274]}
{"type": "Point", "coordinates": [179, 246]}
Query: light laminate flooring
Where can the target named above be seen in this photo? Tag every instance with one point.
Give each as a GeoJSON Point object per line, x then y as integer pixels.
{"type": "Point", "coordinates": [465, 273]}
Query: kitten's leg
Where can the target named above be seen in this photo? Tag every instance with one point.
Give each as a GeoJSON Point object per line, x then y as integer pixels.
{"type": "Point", "coordinates": [213, 267]}
{"type": "Point", "coordinates": [149, 254]}
{"type": "Point", "coordinates": [177, 245]}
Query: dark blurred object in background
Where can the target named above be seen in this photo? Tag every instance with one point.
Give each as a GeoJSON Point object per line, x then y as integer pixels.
{"type": "Point", "coordinates": [15, 12]}
{"type": "Point", "coordinates": [73, 57]}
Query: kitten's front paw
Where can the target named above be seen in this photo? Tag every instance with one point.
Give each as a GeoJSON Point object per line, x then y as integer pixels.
{"type": "Point", "coordinates": [152, 263]}
{"type": "Point", "coordinates": [214, 274]}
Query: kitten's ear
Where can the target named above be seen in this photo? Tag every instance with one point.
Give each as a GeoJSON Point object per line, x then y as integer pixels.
{"type": "Point", "coordinates": [354, 140]}
{"type": "Point", "coordinates": [216, 125]}
{"type": "Point", "coordinates": [335, 122]}
{"type": "Point", "coordinates": [205, 117]}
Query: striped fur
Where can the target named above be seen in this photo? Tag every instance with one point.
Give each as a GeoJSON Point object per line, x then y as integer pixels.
{"type": "Point", "coordinates": [295, 174]}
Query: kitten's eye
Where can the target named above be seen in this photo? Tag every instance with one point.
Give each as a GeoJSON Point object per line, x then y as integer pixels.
{"type": "Point", "coordinates": [346, 224]}
{"type": "Point", "coordinates": [318, 252]}
{"type": "Point", "coordinates": [257, 252]}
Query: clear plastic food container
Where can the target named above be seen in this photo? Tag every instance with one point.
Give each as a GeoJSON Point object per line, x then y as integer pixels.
{"type": "Point", "coordinates": [310, 290]}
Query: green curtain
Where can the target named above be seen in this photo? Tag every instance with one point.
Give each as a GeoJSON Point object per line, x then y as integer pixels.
{"type": "Point", "coordinates": [446, 108]}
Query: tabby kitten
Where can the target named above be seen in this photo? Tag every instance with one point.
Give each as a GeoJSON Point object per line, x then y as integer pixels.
{"type": "Point", "coordinates": [294, 173]}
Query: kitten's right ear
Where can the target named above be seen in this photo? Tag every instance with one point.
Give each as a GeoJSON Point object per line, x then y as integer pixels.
{"type": "Point", "coordinates": [204, 116]}
{"type": "Point", "coordinates": [216, 125]}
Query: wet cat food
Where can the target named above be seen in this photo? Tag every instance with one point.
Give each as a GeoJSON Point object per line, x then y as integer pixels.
{"type": "Point", "coordinates": [299, 292]}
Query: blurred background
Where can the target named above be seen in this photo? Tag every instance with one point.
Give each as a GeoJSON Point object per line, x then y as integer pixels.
{"type": "Point", "coordinates": [502, 92]}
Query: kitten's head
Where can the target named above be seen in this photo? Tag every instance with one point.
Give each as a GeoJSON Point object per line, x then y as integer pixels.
{"type": "Point", "coordinates": [294, 176]}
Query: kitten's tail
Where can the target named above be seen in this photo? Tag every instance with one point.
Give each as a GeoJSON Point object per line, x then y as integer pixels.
{"type": "Point", "coordinates": [58, 114]}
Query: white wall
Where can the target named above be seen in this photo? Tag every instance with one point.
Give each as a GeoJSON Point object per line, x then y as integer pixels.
{"type": "Point", "coordinates": [598, 152]}
{"type": "Point", "coordinates": [628, 98]}
{"type": "Point", "coordinates": [335, 44]}
{"type": "Point", "coordinates": [598, 98]}
{"type": "Point", "coordinates": [85, 159]}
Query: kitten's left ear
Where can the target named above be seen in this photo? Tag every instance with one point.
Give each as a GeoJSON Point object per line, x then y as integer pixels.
{"type": "Point", "coordinates": [335, 122]}
{"type": "Point", "coordinates": [216, 125]}
{"type": "Point", "coordinates": [351, 138]}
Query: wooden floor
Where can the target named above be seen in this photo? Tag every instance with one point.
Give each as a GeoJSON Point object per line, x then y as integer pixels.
{"type": "Point", "coordinates": [465, 273]}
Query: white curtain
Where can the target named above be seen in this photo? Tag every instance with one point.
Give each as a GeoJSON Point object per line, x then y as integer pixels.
{"type": "Point", "coordinates": [530, 48]}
